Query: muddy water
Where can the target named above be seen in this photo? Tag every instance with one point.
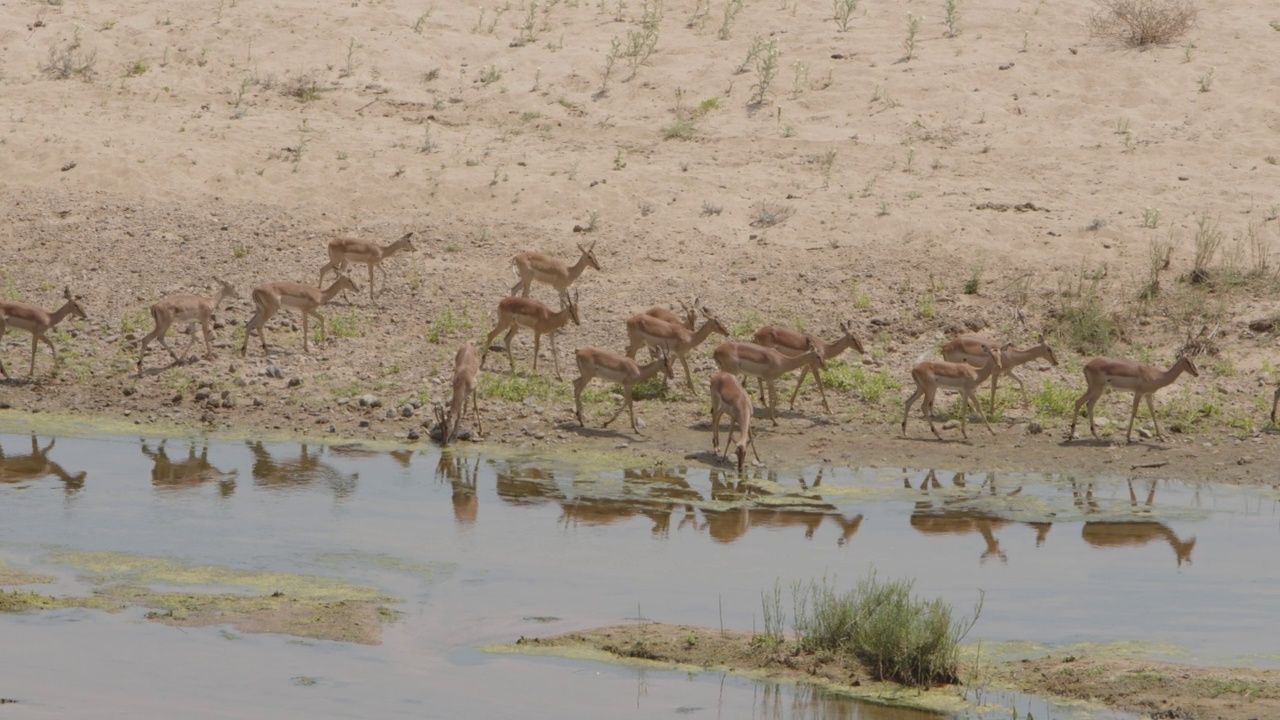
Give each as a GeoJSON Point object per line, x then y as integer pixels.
{"type": "Point", "coordinates": [486, 549]}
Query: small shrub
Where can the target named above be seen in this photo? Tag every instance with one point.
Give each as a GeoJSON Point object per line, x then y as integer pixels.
{"type": "Point", "coordinates": [516, 388]}
{"type": "Point", "coordinates": [346, 324]}
{"type": "Point", "coordinates": [843, 10]}
{"type": "Point", "coordinates": [1208, 241]}
{"type": "Point", "coordinates": [870, 387]}
{"type": "Point", "coordinates": [447, 324]}
{"type": "Point", "coordinates": [896, 636]}
{"type": "Point", "coordinates": [70, 60]}
{"type": "Point", "coordinates": [1085, 322]}
{"type": "Point", "coordinates": [1138, 23]}
{"type": "Point", "coordinates": [1055, 399]}
{"type": "Point", "coordinates": [302, 87]}
{"type": "Point", "coordinates": [770, 213]}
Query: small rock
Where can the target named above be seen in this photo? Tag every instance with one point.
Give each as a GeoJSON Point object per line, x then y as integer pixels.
{"type": "Point", "coordinates": [1034, 428]}
{"type": "Point", "coordinates": [273, 371]}
{"type": "Point", "coordinates": [413, 435]}
{"type": "Point", "coordinates": [295, 382]}
{"type": "Point", "coordinates": [129, 391]}
{"type": "Point", "coordinates": [202, 395]}
{"type": "Point", "coordinates": [1144, 433]}
{"type": "Point", "coordinates": [177, 398]}
{"type": "Point", "coordinates": [1244, 460]}
{"type": "Point", "coordinates": [364, 423]}
{"type": "Point", "coordinates": [257, 402]}
{"type": "Point", "coordinates": [640, 423]}
{"type": "Point", "coordinates": [391, 413]}
{"type": "Point", "coordinates": [406, 410]}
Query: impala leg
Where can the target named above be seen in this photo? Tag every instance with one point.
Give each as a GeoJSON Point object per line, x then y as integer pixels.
{"type": "Point", "coordinates": [1275, 399]}
{"type": "Point", "coordinates": [817, 377]}
{"type": "Point", "coordinates": [631, 406]}
{"type": "Point", "coordinates": [1137, 402]}
{"type": "Point", "coordinates": [1152, 407]}
{"type": "Point", "coordinates": [306, 330]}
{"type": "Point", "coordinates": [4, 328]}
{"type": "Point", "coordinates": [906, 411]}
{"type": "Point", "coordinates": [804, 372]}
{"type": "Point", "coordinates": [773, 401]}
{"type": "Point", "coordinates": [1021, 385]}
{"type": "Point", "coordinates": [994, 377]}
{"type": "Point", "coordinates": [384, 282]}
{"type": "Point", "coordinates": [555, 357]}
{"type": "Point", "coordinates": [929, 395]}
{"type": "Point", "coordinates": [626, 400]}
{"type": "Point", "coordinates": [537, 344]}
{"type": "Point", "coordinates": [764, 399]}
{"type": "Point", "coordinates": [475, 408]}
{"type": "Point", "coordinates": [506, 345]}
{"type": "Point", "coordinates": [716, 411]}
{"type": "Point", "coordinates": [964, 412]}
{"type": "Point", "coordinates": [974, 397]}
{"type": "Point", "coordinates": [688, 376]}
{"type": "Point", "coordinates": [578, 386]}
{"type": "Point", "coordinates": [207, 332]}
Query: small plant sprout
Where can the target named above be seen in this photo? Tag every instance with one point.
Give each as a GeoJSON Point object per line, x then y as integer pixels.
{"type": "Point", "coordinates": [951, 17]}
{"type": "Point", "coordinates": [731, 10]}
{"type": "Point", "coordinates": [843, 10]}
{"type": "Point", "coordinates": [1150, 217]}
{"type": "Point", "coordinates": [766, 67]}
{"type": "Point", "coordinates": [1206, 81]}
{"type": "Point", "coordinates": [909, 44]}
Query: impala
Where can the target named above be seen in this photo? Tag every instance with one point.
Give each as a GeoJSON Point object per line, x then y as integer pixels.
{"type": "Point", "coordinates": [346, 250]}
{"type": "Point", "coordinates": [1275, 399]}
{"type": "Point", "coordinates": [530, 266]}
{"type": "Point", "coordinates": [931, 375]}
{"type": "Point", "coordinates": [972, 349]}
{"type": "Point", "coordinates": [614, 367]}
{"type": "Point", "coordinates": [516, 312]}
{"type": "Point", "coordinates": [791, 342]}
{"type": "Point", "coordinates": [269, 298]}
{"type": "Point", "coordinates": [466, 381]}
{"type": "Point", "coordinates": [728, 396]}
{"type": "Point", "coordinates": [740, 358]}
{"type": "Point", "coordinates": [1141, 380]}
{"type": "Point", "coordinates": [185, 309]}
{"type": "Point", "coordinates": [689, 321]}
{"type": "Point", "coordinates": [674, 339]}
{"type": "Point", "coordinates": [37, 322]}
{"type": "Point", "coordinates": [37, 465]}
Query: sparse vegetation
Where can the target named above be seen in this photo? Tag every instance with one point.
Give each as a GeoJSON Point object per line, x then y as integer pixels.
{"type": "Point", "coordinates": [1138, 23]}
{"type": "Point", "coordinates": [843, 10]}
{"type": "Point", "coordinates": [770, 213]}
{"type": "Point", "coordinates": [70, 60]}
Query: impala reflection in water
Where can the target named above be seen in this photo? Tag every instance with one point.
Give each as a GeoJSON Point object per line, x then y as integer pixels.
{"type": "Point", "coordinates": [193, 472]}
{"type": "Point", "coordinates": [296, 473]}
{"type": "Point", "coordinates": [36, 465]}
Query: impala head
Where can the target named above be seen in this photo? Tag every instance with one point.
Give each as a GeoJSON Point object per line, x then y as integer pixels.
{"type": "Point", "coordinates": [847, 329]}
{"type": "Point", "coordinates": [716, 325]}
{"type": "Point", "coordinates": [572, 304]}
{"type": "Point", "coordinates": [589, 254]}
{"type": "Point", "coordinates": [344, 282]}
{"type": "Point", "coordinates": [691, 312]}
{"type": "Point", "coordinates": [1185, 362]}
{"type": "Point", "coordinates": [1048, 351]}
{"type": "Point", "coordinates": [742, 455]}
{"type": "Point", "coordinates": [74, 302]}
{"type": "Point", "coordinates": [227, 290]}
{"type": "Point", "coordinates": [994, 353]}
{"type": "Point", "coordinates": [405, 244]}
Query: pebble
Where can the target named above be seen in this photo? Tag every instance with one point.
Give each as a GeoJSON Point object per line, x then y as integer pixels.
{"type": "Point", "coordinates": [295, 382]}
{"type": "Point", "coordinates": [391, 413]}
{"type": "Point", "coordinates": [273, 371]}
{"type": "Point", "coordinates": [407, 411]}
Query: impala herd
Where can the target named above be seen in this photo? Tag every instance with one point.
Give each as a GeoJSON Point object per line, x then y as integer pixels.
{"type": "Point", "coordinates": [968, 361]}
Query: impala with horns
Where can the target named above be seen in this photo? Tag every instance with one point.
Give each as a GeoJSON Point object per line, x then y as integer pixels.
{"type": "Point", "coordinates": [530, 266]}
{"type": "Point", "coordinates": [344, 251]}
{"type": "Point", "coordinates": [269, 298]}
{"type": "Point", "coordinates": [517, 312]}
{"type": "Point", "coordinates": [689, 321]}
{"type": "Point", "coordinates": [728, 396]}
{"type": "Point", "coordinates": [767, 364]}
{"type": "Point", "coordinates": [185, 309]}
{"type": "Point", "coordinates": [36, 321]}
{"type": "Point", "coordinates": [972, 349]}
{"type": "Point", "coordinates": [1128, 376]}
{"type": "Point", "coordinates": [791, 342]}
{"type": "Point", "coordinates": [931, 375]}
{"type": "Point", "coordinates": [614, 367]}
{"type": "Point", "coordinates": [674, 339]}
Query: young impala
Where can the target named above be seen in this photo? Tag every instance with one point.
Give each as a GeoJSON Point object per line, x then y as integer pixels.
{"type": "Point", "coordinates": [727, 396]}
{"type": "Point", "coordinates": [614, 367]}
{"type": "Point", "coordinates": [466, 381]}
{"type": "Point", "coordinates": [37, 322]}
{"type": "Point", "coordinates": [269, 298]}
{"type": "Point", "coordinates": [645, 329]}
{"type": "Point", "coordinates": [931, 375]}
{"type": "Point", "coordinates": [530, 266]}
{"type": "Point", "coordinates": [972, 349]}
{"type": "Point", "coordinates": [185, 309]}
{"type": "Point", "coordinates": [791, 342]}
{"type": "Point", "coordinates": [346, 250]}
{"type": "Point", "coordinates": [1141, 380]}
{"type": "Point", "coordinates": [767, 364]}
{"type": "Point", "coordinates": [521, 312]}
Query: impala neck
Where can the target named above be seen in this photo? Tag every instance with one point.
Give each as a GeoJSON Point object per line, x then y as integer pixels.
{"type": "Point", "coordinates": [1168, 376]}
{"type": "Point", "coordinates": [330, 293]}
{"type": "Point", "coordinates": [791, 362]}
{"type": "Point", "coordinates": [985, 371]}
{"type": "Point", "coordinates": [833, 349]}
{"type": "Point", "coordinates": [561, 318]}
{"type": "Point", "coordinates": [222, 294]}
{"type": "Point", "coordinates": [653, 368]}
{"type": "Point", "coordinates": [576, 269]}
{"type": "Point", "coordinates": [392, 249]}
{"type": "Point", "coordinates": [1014, 357]}
{"type": "Point", "coordinates": [702, 333]}
{"type": "Point", "coordinates": [58, 315]}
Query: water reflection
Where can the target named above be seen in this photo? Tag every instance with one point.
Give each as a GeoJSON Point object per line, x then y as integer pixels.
{"type": "Point", "coordinates": [521, 483]}
{"type": "Point", "coordinates": [961, 515]}
{"type": "Point", "coordinates": [1126, 532]}
{"type": "Point", "coordinates": [808, 702]}
{"type": "Point", "coordinates": [36, 465]}
{"type": "Point", "coordinates": [461, 474]}
{"type": "Point", "coordinates": [307, 468]}
{"type": "Point", "coordinates": [193, 472]}
{"type": "Point", "coordinates": [757, 506]}
{"type": "Point", "coordinates": [655, 494]}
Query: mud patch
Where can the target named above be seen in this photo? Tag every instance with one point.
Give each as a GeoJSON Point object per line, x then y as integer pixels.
{"type": "Point", "coordinates": [308, 606]}
{"type": "Point", "coordinates": [1110, 676]}
{"type": "Point", "coordinates": [11, 576]}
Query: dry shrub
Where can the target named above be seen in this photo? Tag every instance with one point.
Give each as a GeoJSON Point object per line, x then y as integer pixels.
{"type": "Point", "coordinates": [1138, 23]}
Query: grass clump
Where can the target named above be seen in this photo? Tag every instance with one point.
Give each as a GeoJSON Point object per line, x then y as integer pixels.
{"type": "Point", "coordinates": [894, 635]}
{"type": "Point", "coordinates": [1055, 399]}
{"type": "Point", "coordinates": [1085, 322]}
{"type": "Point", "coordinates": [70, 60]}
{"type": "Point", "coordinates": [447, 324]}
{"type": "Point", "coordinates": [517, 388]}
{"type": "Point", "coordinates": [870, 387]}
{"type": "Point", "coordinates": [1139, 23]}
